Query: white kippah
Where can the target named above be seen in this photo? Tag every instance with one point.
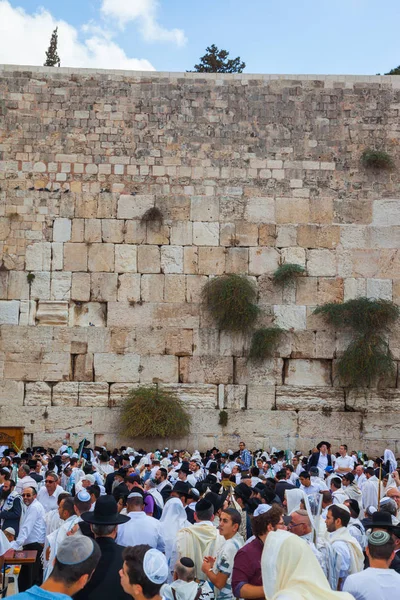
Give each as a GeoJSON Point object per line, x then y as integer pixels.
{"type": "Point", "coordinates": [155, 566]}
{"type": "Point", "coordinates": [343, 507]}
{"type": "Point", "coordinates": [83, 496]}
{"type": "Point", "coordinates": [261, 509]}
{"type": "Point", "coordinates": [75, 549]}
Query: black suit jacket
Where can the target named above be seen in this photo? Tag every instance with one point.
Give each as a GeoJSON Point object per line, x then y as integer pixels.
{"type": "Point", "coordinates": [36, 476]}
{"type": "Point", "coordinates": [314, 458]}
{"type": "Point", "coordinates": [280, 488]}
{"type": "Point", "coordinates": [106, 582]}
{"type": "Point", "coordinates": [108, 482]}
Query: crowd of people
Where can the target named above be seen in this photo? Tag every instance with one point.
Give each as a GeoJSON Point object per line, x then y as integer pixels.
{"type": "Point", "coordinates": [275, 525]}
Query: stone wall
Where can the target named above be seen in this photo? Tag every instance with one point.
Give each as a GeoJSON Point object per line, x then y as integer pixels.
{"type": "Point", "coordinates": [249, 171]}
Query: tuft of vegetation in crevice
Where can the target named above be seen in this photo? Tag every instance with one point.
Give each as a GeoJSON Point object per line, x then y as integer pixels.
{"type": "Point", "coordinates": [368, 357]}
{"type": "Point", "coordinates": [152, 215]}
{"type": "Point", "coordinates": [288, 272]}
{"type": "Point", "coordinates": [264, 342]}
{"type": "Point", "coordinates": [376, 159]}
{"type": "Point", "coordinates": [223, 418]}
{"type": "Point", "coordinates": [231, 300]}
{"type": "Point", "coordinates": [153, 412]}
{"type": "Point", "coordinates": [30, 277]}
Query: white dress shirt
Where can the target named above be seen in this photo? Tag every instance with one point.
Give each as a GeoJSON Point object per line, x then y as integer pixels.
{"type": "Point", "coordinates": [344, 462]}
{"type": "Point", "coordinates": [141, 529]}
{"type": "Point", "coordinates": [33, 526]}
{"type": "Point", "coordinates": [25, 482]}
{"type": "Point", "coordinates": [49, 502]}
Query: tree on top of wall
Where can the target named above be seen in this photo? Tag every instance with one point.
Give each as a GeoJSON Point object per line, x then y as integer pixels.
{"type": "Point", "coordinates": [395, 71]}
{"type": "Point", "coordinates": [216, 61]}
{"type": "Point", "coordinates": [52, 58]}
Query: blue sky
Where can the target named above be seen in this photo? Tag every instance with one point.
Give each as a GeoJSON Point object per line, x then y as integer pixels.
{"type": "Point", "coordinates": [303, 36]}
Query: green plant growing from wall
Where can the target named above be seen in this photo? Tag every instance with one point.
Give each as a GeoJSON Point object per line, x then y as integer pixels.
{"type": "Point", "coordinates": [153, 412]}
{"type": "Point", "coordinates": [264, 342]}
{"type": "Point", "coordinates": [223, 418]}
{"type": "Point", "coordinates": [231, 300]}
{"type": "Point", "coordinates": [288, 272]}
{"type": "Point", "coordinates": [376, 159]}
{"type": "Point", "coordinates": [30, 277]}
{"type": "Point", "coordinates": [368, 357]}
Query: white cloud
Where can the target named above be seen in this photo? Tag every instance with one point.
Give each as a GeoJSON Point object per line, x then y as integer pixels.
{"type": "Point", "coordinates": [145, 13]}
{"type": "Point", "coordinates": [24, 38]}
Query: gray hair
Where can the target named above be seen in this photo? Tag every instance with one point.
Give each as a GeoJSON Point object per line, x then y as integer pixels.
{"type": "Point", "coordinates": [25, 468]}
{"type": "Point", "coordinates": [102, 530]}
{"type": "Point", "coordinates": [184, 573]}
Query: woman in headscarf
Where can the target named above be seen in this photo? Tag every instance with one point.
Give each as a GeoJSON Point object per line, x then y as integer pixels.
{"type": "Point", "coordinates": [290, 571]}
{"type": "Point", "coordinates": [172, 520]}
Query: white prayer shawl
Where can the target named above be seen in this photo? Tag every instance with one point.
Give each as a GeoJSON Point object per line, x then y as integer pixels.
{"type": "Point", "coordinates": [353, 492]}
{"type": "Point", "coordinates": [291, 571]}
{"type": "Point", "coordinates": [334, 559]}
{"type": "Point", "coordinates": [199, 540]}
{"type": "Point", "coordinates": [55, 538]}
{"type": "Point", "coordinates": [370, 492]}
{"type": "Point", "coordinates": [158, 499]}
{"type": "Point", "coordinates": [389, 456]}
{"type": "Point", "coordinates": [173, 519]}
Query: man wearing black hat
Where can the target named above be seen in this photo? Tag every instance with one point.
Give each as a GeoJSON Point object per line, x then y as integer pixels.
{"type": "Point", "coordinates": [185, 474]}
{"type": "Point", "coordinates": [382, 521]}
{"type": "Point", "coordinates": [202, 538]}
{"type": "Point", "coordinates": [105, 582]}
{"type": "Point", "coordinates": [322, 458]}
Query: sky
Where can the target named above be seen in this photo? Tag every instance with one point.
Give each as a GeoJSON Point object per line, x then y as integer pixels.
{"type": "Point", "coordinates": [272, 36]}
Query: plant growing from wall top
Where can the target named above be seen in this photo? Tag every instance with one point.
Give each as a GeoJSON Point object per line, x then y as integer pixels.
{"type": "Point", "coordinates": [368, 357]}
{"type": "Point", "coordinates": [153, 412]}
{"type": "Point", "coordinates": [288, 272]}
{"type": "Point", "coordinates": [264, 342]}
{"type": "Point", "coordinates": [231, 300]}
{"type": "Point", "coordinates": [376, 159]}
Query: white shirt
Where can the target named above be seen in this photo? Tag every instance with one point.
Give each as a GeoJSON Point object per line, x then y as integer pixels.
{"type": "Point", "coordinates": [141, 529]}
{"type": "Point", "coordinates": [344, 462]}
{"type": "Point", "coordinates": [25, 482]}
{"type": "Point", "coordinates": [4, 544]}
{"type": "Point", "coordinates": [373, 584]}
{"type": "Point", "coordinates": [49, 502]}
{"type": "Point", "coordinates": [322, 462]}
{"type": "Point", "coordinates": [312, 489]}
{"type": "Point", "coordinates": [33, 526]}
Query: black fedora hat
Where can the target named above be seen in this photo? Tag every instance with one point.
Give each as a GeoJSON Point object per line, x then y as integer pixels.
{"type": "Point", "coordinates": [381, 519]}
{"type": "Point", "coordinates": [185, 468]}
{"type": "Point", "coordinates": [327, 444]}
{"type": "Point", "coordinates": [242, 491]}
{"type": "Point", "coordinates": [182, 488]}
{"type": "Point", "coordinates": [105, 513]}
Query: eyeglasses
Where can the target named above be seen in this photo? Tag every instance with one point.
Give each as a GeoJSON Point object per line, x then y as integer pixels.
{"type": "Point", "coordinates": [293, 525]}
{"type": "Point", "coordinates": [26, 495]}
{"type": "Point", "coordinates": [49, 481]}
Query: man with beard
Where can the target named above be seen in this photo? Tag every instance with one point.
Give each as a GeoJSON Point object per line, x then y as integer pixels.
{"type": "Point", "coordinates": [163, 485]}
{"type": "Point", "coordinates": [11, 506]}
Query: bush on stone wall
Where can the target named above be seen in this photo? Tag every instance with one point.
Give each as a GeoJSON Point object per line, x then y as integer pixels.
{"type": "Point", "coordinates": [153, 412]}
{"type": "Point", "coordinates": [376, 159]}
{"type": "Point", "coordinates": [231, 300]}
{"type": "Point", "coordinates": [368, 358]}
{"type": "Point", "coordinates": [264, 342]}
{"type": "Point", "coordinates": [288, 272]}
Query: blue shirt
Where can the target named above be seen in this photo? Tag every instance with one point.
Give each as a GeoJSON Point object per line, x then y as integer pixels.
{"type": "Point", "coordinates": [245, 456]}
{"type": "Point", "coordinates": [37, 593]}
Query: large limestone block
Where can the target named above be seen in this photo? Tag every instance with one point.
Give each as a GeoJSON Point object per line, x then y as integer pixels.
{"type": "Point", "coordinates": [305, 398]}
{"type": "Point", "coordinates": [124, 314]}
{"type": "Point", "coordinates": [175, 288]}
{"type": "Point", "coordinates": [115, 368]}
{"type": "Point", "coordinates": [65, 393]}
{"type": "Point", "coordinates": [263, 260]}
{"type": "Point", "coordinates": [373, 400]}
{"type": "Point", "coordinates": [14, 339]}
{"type": "Point", "coordinates": [9, 312]}
{"type": "Point", "coordinates": [206, 342]}
{"type": "Point", "coordinates": [83, 367]}
{"type": "Point", "coordinates": [294, 255]}
{"type": "Point", "coordinates": [321, 263]}
{"type": "Point", "coordinates": [37, 394]}
{"type": "Point", "coordinates": [3, 284]}
{"type": "Point", "coordinates": [269, 372]}
{"type": "Point", "coordinates": [69, 420]}
{"type": "Point", "coordinates": [75, 257]}
{"type": "Point", "coordinates": [306, 290]}
{"type": "Point", "coordinates": [264, 428]}
{"type": "Point", "coordinates": [292, 210]}
{"type": "Point", "coordinates": [103, 287]}
{"type": "Point", "coordinates": [206, 369]}
{"type": "Point", "coordinates": [125, 258]}
{"type": "Point", "coordinates": [89, 314]}
{"type": "Point", "coordinates": [62, 230]}
{"type": "Point", "coordinates": [330, 289]}
{"type": "Point", "coordinates": [172, 259]}
{"type": "Point", "coordinates": [80, 287]}
{"type": "Point", "coordinates": [234, 397]}
{"type": "Point", "coordinates": [18, 286]}
{"type": "Point", "coordinates": [383, 426]}
{"type": "Point", "coordinates": [112, 231]}
{"type": "Point", "coordinates": [386, 212]}
{"type": "Point", "coordinates": [60, 286]}
{"type": "Point", "coordinates": [260, 397]}
{"type": "Point", "coordinates": [134, 207]}
{"type": "Point", "coordinates": [366, 263]}
{"type": "Point", "coordinates": [52, 313]}
{"type": "Point", "coordinates": [195, 395]}
{"type": "Point", "coordinates": [320, 426]}
{"type": "Point", "coordinates": [176, 315]}
{"type": "Point", "coordinates": [128, 287]}
{"type": "Point", "coordinates": [38, 256]}
{"type": "Point", "coordinates": [206, 234]}
{"type": "Point", "coordinates": [93, 394]}
{"type": "Point", "coordinates": [179, 342]}
{"type": "Point", "coordinates": [11, 393]}
{"type": "Point", "coordinates": [92, 231]}
{"type": "Point", "coordinates": [204, 208]}
{"type": "Point", "coordinates": [107, 421]}
{"type": "Point", "coordinates": [148, 259]}
{"type": "Point", "coordinates": [119, 392]}
{"type": "Point", "coordinates": [194, 287]}
{"type": "Point", "coordinates": [211, 260]}
{"type": "Point", "coordinates": [379, 289]}
{"type": "Point", "coordinates": [290, 316]}
{"type": "Point", "coordinates": [157, 234]}
{"type": "Point", "coordinates": [135, 232]}
{"type": "Point", "coordinates": [152, 288]}
{"type": "Point", "coordinates": [27, 315]}
{"type": "Point", "coordinates": [31, 417]}
{"type": "Point", "coordinates": [150, 340]}
{"type": "Point", "coordinates": [260, 210]}
{"type": "Point", "coordinates": [237, 260]}
{"type": "Point", "coordinates": [101, 257]}
{"type": "Point", "coordinates": [154, 369]}
{"type": "Point", "coordinates": [40, 286]}
{"type": "Point", "coordinates": [181, 233]}
{"type": "Point", "coordinates": [308, 373]}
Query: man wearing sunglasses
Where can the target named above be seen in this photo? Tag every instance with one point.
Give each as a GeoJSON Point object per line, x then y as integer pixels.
{"type": "Point", "coordinates": [48, 494]}
{"type": "Point", "coordinates": [31, 537]}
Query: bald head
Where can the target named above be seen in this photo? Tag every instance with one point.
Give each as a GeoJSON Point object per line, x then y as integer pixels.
{"type": "Point", "coordinates": [394, 494]}
{"type": "Point", "coordinates": [300, 524]}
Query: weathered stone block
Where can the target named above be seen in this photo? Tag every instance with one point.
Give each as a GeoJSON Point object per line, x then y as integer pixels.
{"type": "Point", "coordinates": [75, 257]}
{"type": "Point", "coordinates": [37, 394]}
{"type": "Point", "coordinates": [295, 256]}
{"type": "Point", "coordinates": [206, 369]}
{"type": "Point", "coordinates": [80, 287]}
{"type": "Point", "coordinates": [346, 424]}
{"type": "Point", "coordinates": [292, 210]}
{"type": "Point", "coordinates": [175, 288]}
{"type": "Point", "coordinates": [18, 286]}
{"type": "Point", "coordinates": [237, 260]}
{"type": "Point", "coordinates": [40, 286]}
{"type": "Point", "coordinates": [90, 314]}
{"type": "Point", "coordinates": [11, 393]}
{"type": "Point", "coordinates": [267, 235]}
{"type": "Point", "coordinates": [260, 210]}
{"type": "Point", "coordinates": [134, 207]}
{"type": "Point", "coordinates": [103, 287]}
{"type": "Point", "coordinates": [211, 261]}
{"type": "Point", "coordinates": [386, 212]}
{"type": "Point", "coordinates": [93, 394]}
{"type": "Point", "coordinates": [269, 372]}
{"type": "Point", "coordinates": [128, 287]}
{"type": "Point", "coordinates": [172, 259]}
{"type": "Point", "coordinates": [65, 393]}
{"type": "Point", "coordinates": [290, 316]}
{"type": "Point", "coordinates": [234, 397]}
{"type": "Point", "coordinates": [9, 312]}
{"type": "Point", "coordinates": [101, 257]}
{"type": "Point", "coordinates": [116, 367]}
{"type": "Point", "coordinates": [182, 233]}
{"type": "Point", "coordinates": [263, 260]}
{"type": "Point", "coordinates": [321, 263]}
{"type": "Point", "coordinates": [112, 231]}
{"type": "Point", "coordinates": [354, 288]}
{"type": "Point", "coordinates": [201, 395]}
{"type": "Point", "coordinates": [260, 397]}
{"type": "Point", "coordinates": [60, 286]}
{"type": "Point", "coordinates": [206, 234]}
{"type": "Point", "coordinates": [125, 258]}
{"type": "Point", "coordinates": [379, 289]}
{"type": "Point", "coordinates": [330, 290]}
{"type": "Point", "coordinates": [62, 229]}
{"type": "Point", "coordinates": [306, 398]}
{"type": "Point", "coordinates": [83, 367]}
{"type": "Point", "coordinates": [154, 369]}
{"type": "Point", "coordinates": [306, 290]}
{"type": "Point", "coordinates": [148, 259]}
{"type": "Point", "coordinates": [179, 342]}
{"type": "Point", "coordinates": [52, 313]}
{"type": "Point", "coordinates": [92, 231]}
{"type": "Point", "coordinates": [38, 257]}
{"type": "Point", "coordinates": [204, 208]}
{"type": "Point", "coordinates": [308, 373]}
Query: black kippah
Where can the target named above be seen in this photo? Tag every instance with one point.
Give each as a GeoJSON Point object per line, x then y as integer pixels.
{"type": "Point", "coordinates": [187, 562]}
